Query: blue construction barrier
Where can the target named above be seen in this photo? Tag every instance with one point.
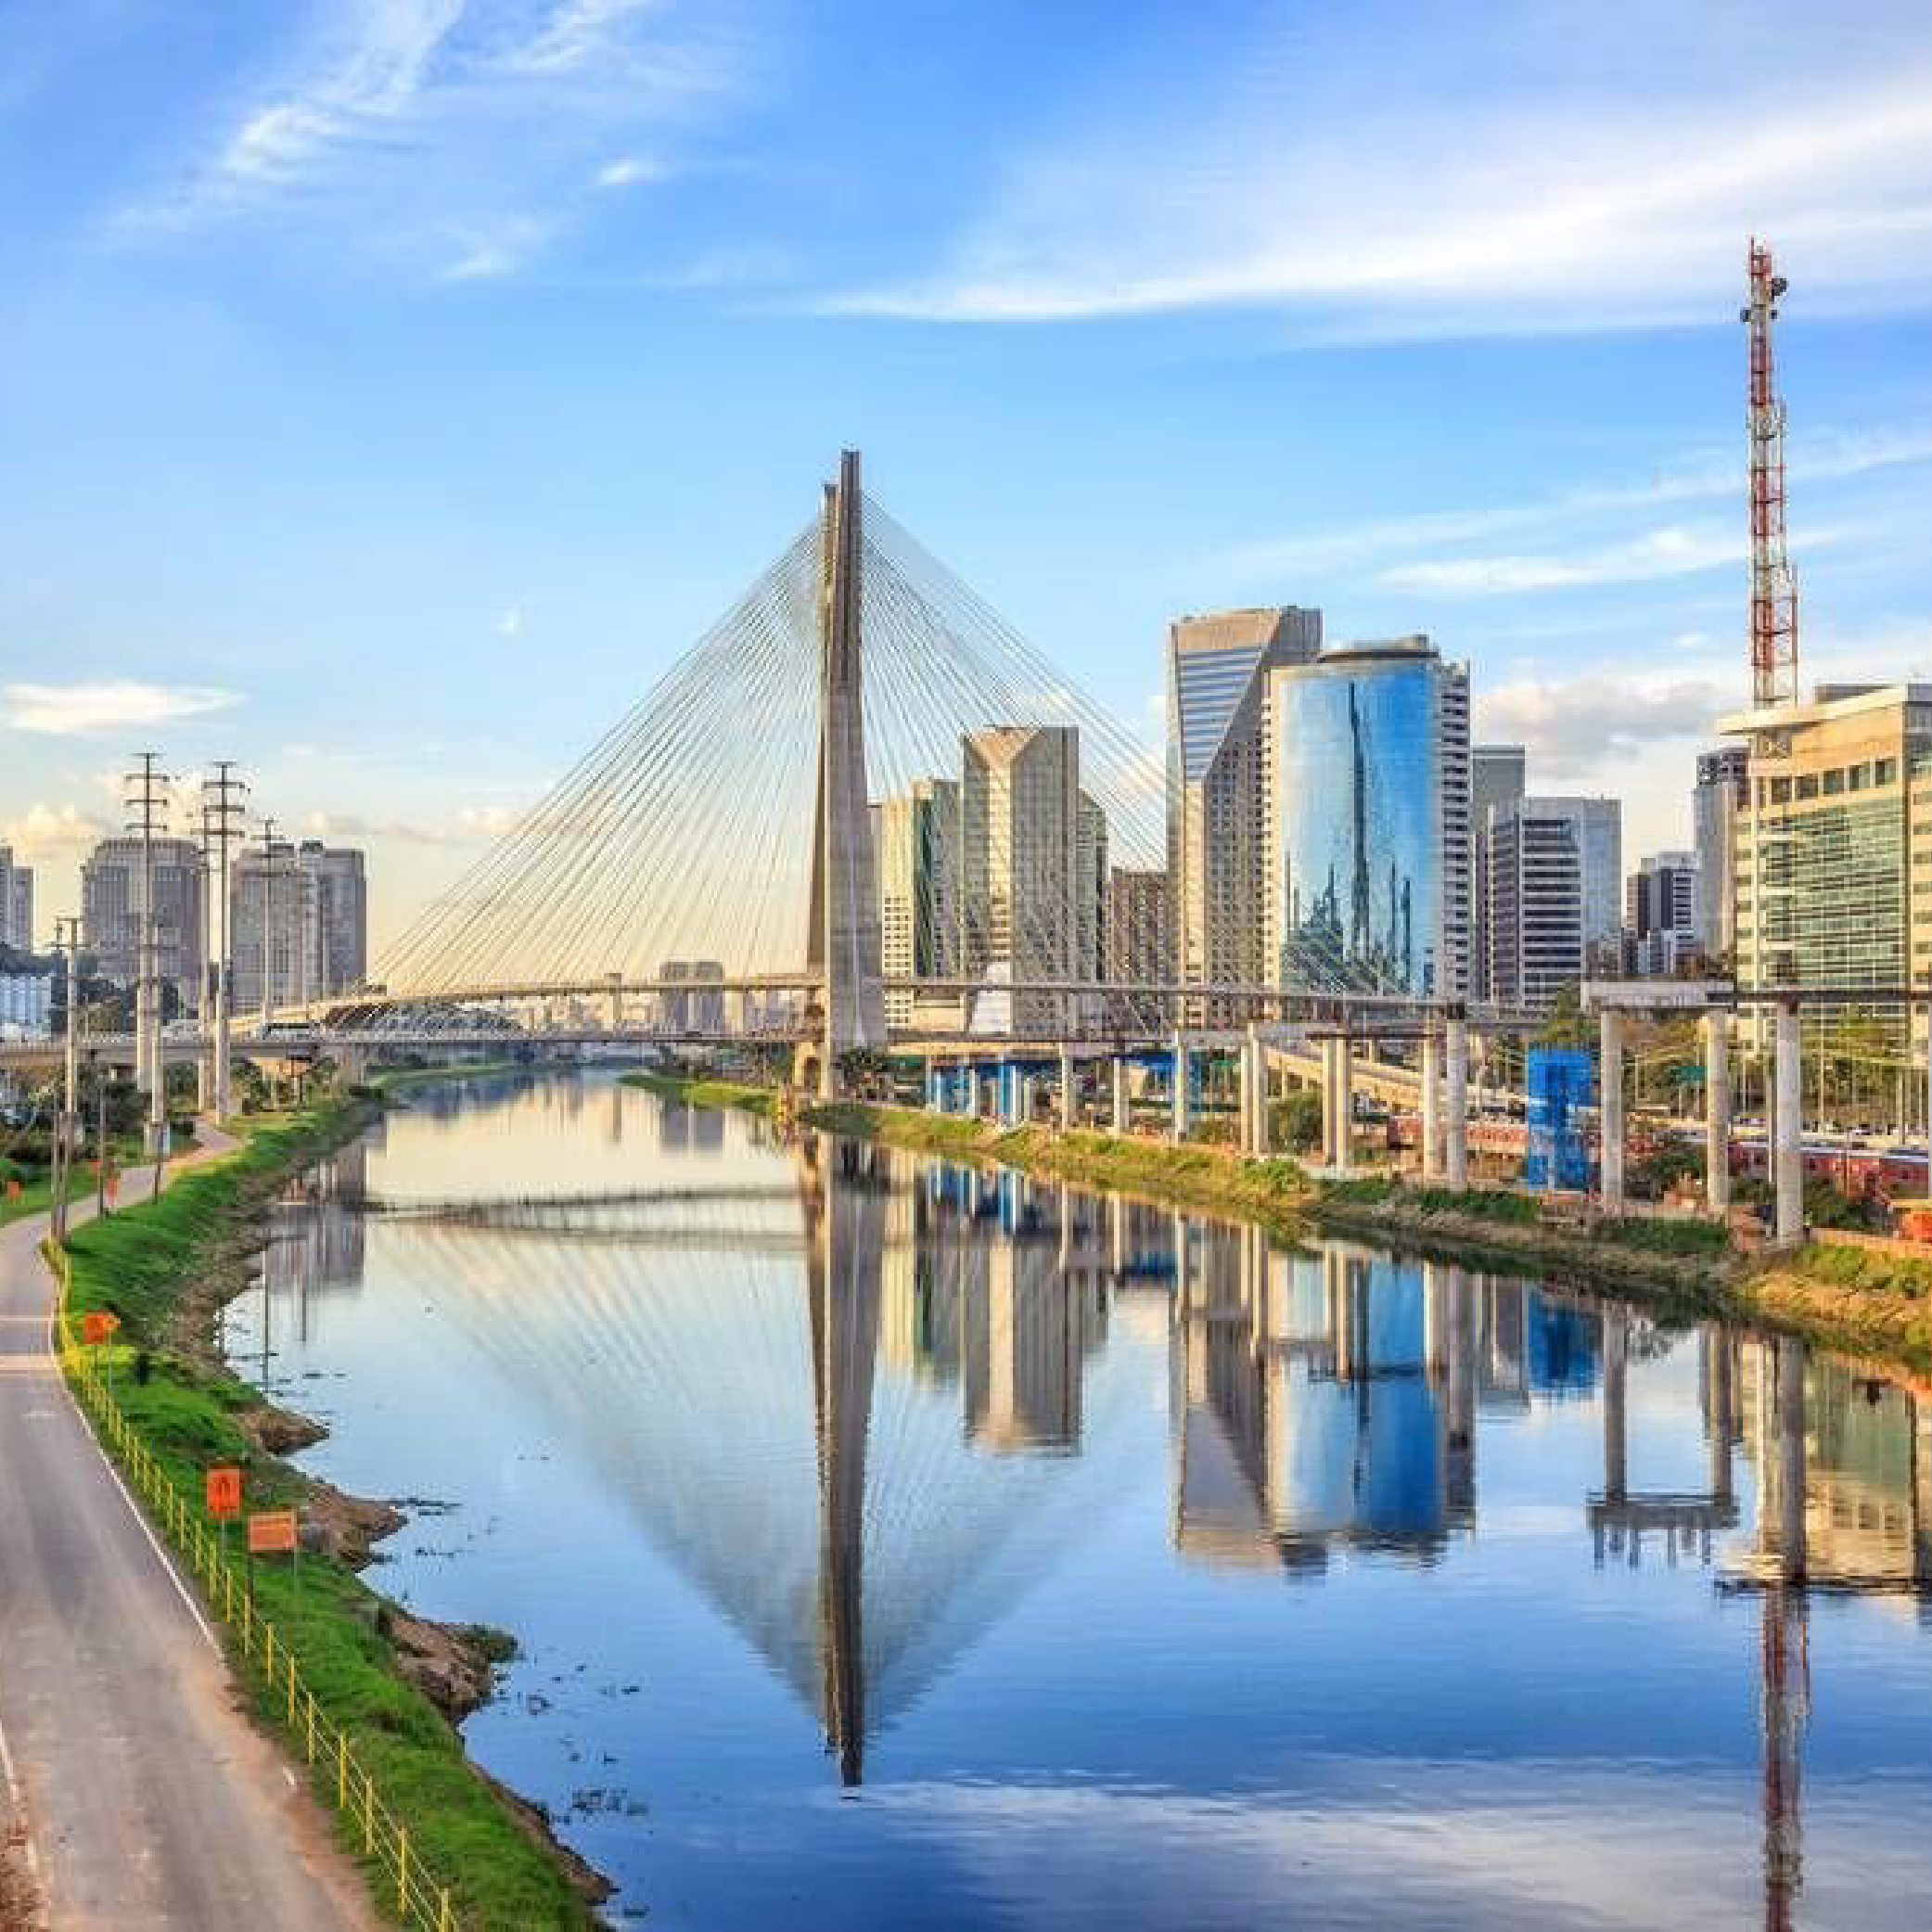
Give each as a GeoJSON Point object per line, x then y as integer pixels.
{"type": "Point", "coordinates": [1562, 1084]}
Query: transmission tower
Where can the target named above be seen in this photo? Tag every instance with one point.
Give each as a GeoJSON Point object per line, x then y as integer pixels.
{"type": "Point", "coordinates": [148, 801]}
{"type": "Point", "coordinates": [223, 829]}
{"type": "Point", "coordinates": [1773, 588]}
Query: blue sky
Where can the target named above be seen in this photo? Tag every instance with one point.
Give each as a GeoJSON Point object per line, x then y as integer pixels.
{"type": "Point", "coordinates": [394, 387]}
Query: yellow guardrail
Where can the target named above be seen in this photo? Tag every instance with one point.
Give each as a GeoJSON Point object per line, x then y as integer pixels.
{"type": "Point", "coordinates": [334, 1768]}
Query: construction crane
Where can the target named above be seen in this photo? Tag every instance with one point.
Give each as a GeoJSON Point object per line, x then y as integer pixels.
{"type": "Point", "coordinates": [1773, 601]}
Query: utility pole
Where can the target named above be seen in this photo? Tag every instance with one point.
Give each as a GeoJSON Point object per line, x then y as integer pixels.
{"type": "Point", "coordinates": [265, 1006]}
{"type": "Point", "coordinates": [147, 802]}
{"type": "Point", "coordinates": [67, 1134]}
{"type": "Point", "coordinates": [221, 829]}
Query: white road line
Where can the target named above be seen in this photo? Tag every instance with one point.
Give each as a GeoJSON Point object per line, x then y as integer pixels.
{"type": "Point", "coordinates": [134, 1508]}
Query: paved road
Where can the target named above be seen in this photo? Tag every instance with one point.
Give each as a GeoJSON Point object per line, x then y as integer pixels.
{"type": "Point", "coordinates": [148, 1797]}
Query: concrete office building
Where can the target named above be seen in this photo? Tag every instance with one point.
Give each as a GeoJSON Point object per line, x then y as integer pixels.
{"type": "Point", "coordinates": [112, 905]}
{"type": "Point", "coordinates": [273, 928]}
{"type": "Point", "coordinates": [1217, 832]}
{"type": "Point", "coordinates": [1138, 946]}
{"type": "Point", "coordinates": [1533, 886]}
{"type": "Point", "coordinates": [1721, 790]}
{"type": "Point", "coordinates": [341, 914]}
{"type": "Point", "coordinates": [916, 835]}
{"type": "Point", "coordinates": [1367, 821]}
{"type": "Point", "coordinates": [1840, 800]}
{"type": "Point", "coordinates": [1020, 872]}
{"type": "Point", "coordinates": [1660, 914]}
{"type": "Point", "coordinates": [696, 1011]}
{"type": "Point", "coordinates": [1498, 779]}
{"type": "Point", "coordinates": [16, 902]}
{"type": "Point", "coordinates": [27, 1004]}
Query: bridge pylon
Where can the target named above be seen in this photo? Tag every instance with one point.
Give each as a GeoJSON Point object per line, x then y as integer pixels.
{"type": "Point", "coordinates": [843, 942]}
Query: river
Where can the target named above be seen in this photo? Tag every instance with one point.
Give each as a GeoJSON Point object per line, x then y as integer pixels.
{"type": "Point", "coordinates": [894, 1544]}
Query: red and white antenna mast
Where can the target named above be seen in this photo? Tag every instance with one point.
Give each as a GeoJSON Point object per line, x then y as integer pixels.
{"type": "Point", "coordinates": [1773, 588]}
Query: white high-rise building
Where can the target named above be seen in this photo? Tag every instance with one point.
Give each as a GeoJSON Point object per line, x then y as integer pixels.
{"type": "Point", "coordinates": [1553, 879]}
{"type": "Point", "coordinates": [916, 836]}
{"type": "Point", "coordinates": [1720, 795]}
{"type": "Point", "coordinates": [1020, 868]}
{"type": "Point", "coordinates": [273, 928]}
{"type": "Point", "coordinates": [16, 902]}
{"type": "Point", "coordinates": [1498, 779]}
{"type": "Point", "coordinates": [1216, 828]}
{"type": "Point", "coordinates": [112, 903]}
{"type": "Point", "coordinates": [341, 914]}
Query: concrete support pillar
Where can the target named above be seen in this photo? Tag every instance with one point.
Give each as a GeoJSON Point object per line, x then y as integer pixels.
{"type": "Point", "coordinates": [1123, 1113]}
{"type": "Point", "coordinates": [1717, 1111]}
{"type": "Point", "coordinates": [1117, 1232]}
{"type": "Point", "coordinates": [1180, 1063]}
{"type": "Point", "coordinates": [1257, 1052]}
{"type": "Point", "coordinates": [1344, 1106]}
{"type": "Point", "coordinates": [1069, 1091]}
{"type": "Point", "coordinates": [1610, 1111]}
{"type": "Point", "coordinates": [614, 1005]}
{"type": "Point", "coordinates": [1455, 1047]}
{"type": "Point", "coordinates": [1788, 1131]}
{"type": "Point", "coordinates": [1616, 1462]}
{"type": "Point", "coordinates": [1247, 1108]}
{"type": "Point", "coordinates": [1791, 1457]}
{"type": "Point", "coordinates": [1431, 1107]}
{"type": "Point", "coordinates": [204, 1081]}
{"type": "Point", "coordinates": [1330, 1137]}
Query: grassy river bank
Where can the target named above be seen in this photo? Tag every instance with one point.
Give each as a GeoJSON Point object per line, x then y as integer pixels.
{"type": "Point", "coordinates": [396, 1683]}
{"type": "Point", "coordinates": [1855, 1300]}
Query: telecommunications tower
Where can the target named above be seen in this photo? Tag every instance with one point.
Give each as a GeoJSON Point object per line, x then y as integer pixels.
{"type": "Point", "coordinates": [1773, 602]}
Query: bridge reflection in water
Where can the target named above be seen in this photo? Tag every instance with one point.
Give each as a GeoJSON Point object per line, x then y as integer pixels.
{"type": "Point", "coordinates": [877, 1417]}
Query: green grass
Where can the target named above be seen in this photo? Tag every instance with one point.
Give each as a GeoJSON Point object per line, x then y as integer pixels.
{"type": "Point", "coordinates": [704, 1092]}
{"type": "Point", "coordinates": [136, 1264]}
{"type": "Point", "coordinates": [1693, 1239]}
{"type": "Point", "coordinates": [1866, 1269]}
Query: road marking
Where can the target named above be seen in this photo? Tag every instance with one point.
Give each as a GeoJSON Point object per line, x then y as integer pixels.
{"type": "Point", "coordinates": [134, 1508]}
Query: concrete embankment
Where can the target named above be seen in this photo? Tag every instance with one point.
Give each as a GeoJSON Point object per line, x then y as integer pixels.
{"type": "Point", "coordinates": [1879, 1309]}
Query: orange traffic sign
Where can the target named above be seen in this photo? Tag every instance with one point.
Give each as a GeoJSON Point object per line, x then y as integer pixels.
{"type": "Point", "coordinates": [271, 1530]}
{"type": "Point", "coordinates": [222, 1488]}
{"type": "Point", "coordinates": [98, 1325]}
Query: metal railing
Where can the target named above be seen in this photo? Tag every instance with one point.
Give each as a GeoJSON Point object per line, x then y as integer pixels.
{"type": "Point", "coordinates": [402, 1883]}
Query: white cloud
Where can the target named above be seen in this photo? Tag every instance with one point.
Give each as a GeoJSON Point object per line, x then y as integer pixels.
{"type": "Point", "coordinates": [1701, 478]}
{"type": "Point", "coordinates": [509, 624]}
{"type": "Point", "coordinates": [629, 171]}
{"type": "Point", "coordinates": [366, 79]}
{"type": "Point", "coordinates": [1576, 722]}
{"type": "Point", "coordinates": [88, 709]}
{"type": "Point", "coordinates": [1372, 189]}
{"type": "Point", "coordinates": [45, 832]}
{"type": "Point", "coordinates": [455, 137]}
{"type": "Point", "coordinates": [1672, 551]}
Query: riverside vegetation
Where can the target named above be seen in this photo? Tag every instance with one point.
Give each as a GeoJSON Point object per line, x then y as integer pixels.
{"type": "Point", "coordinates": [1856, 1300]}
{"type": "Point", "coordinates": [395, 1682]}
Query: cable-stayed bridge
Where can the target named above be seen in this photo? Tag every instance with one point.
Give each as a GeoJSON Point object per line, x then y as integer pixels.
{"type": "Point", "coordinates": [860, 812]}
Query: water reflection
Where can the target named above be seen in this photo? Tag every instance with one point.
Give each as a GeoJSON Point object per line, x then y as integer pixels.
{"type": "Point", "coordinates": [868, 1406]}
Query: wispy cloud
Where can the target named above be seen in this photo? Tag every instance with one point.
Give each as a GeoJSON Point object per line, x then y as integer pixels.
{"type": "Point", "coordinates": [1674, 550]}
{"type": "Point", "coordinates": [464, 136]}
{"type": "Point", "coordinates": [1702, 478]}
{"type": "Point", "coordinates": [1488, 173]}
{"type": "Point", "coordinates": [89, 710]}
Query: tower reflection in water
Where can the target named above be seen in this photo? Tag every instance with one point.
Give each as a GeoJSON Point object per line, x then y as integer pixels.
{"type": "Point", "coordinates": [860, 1401]}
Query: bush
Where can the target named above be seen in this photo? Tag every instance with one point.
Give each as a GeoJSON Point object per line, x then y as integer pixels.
{"type": "Point", "coordinates": [1295, 1123]}
{"type": "Point", "coordinates": [1698, 1238]}
{"type": "Point", "coordinates": [1867, 1268]}
{"type": "Point", "coordinates": [1486, 1203]}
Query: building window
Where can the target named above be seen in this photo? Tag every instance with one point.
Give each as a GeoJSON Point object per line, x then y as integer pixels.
{"type": "Point", "coordinates": [1781, 792]}
{"type": "Point", "coordinates": [1885, 772]}
{"type": "Point", "coordinates": [1806, 786]}
{"type": "Point", "coordinates": [1858, 778]}
{"type": "Point", "coordinates": [1834, 782]}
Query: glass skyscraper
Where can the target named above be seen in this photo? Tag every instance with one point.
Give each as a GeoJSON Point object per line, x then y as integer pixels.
{"type": "Point", "coordinates": [1368, 821]}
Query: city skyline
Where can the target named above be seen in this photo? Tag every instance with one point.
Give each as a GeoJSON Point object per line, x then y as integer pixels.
{"type": "Point", "coordinates": [397, 528]}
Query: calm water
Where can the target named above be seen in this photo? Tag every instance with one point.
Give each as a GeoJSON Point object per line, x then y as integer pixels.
{"type": "Point", "coordinates": [896, 1546]}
